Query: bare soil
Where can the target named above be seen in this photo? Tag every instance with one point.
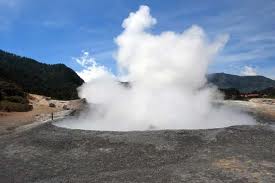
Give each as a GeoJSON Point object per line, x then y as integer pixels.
{"type": "Point", "coordinates": [262, 108]}
{"type": "Point", "coordinates": [9, 121]}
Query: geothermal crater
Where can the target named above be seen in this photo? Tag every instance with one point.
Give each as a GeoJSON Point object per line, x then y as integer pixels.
{"type": "Point", "coordinates": [168, 84]}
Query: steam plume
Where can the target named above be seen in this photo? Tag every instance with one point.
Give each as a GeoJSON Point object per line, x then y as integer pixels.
{"type": "Point", "coordinates": [167, 82]}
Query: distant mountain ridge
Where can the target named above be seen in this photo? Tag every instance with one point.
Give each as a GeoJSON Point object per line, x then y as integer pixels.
{"type": "Point", "coordinates": [57, 81]}
{"type": "Point", "coordinates": [241, 83]}
{"type": "Point", "coordinates": [60, 82]}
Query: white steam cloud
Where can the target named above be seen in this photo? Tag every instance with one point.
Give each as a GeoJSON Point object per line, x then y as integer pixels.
{"type": "Point", "coordinates": [92, 69]}
{"type": "Point", "coordinates": [167, 83]}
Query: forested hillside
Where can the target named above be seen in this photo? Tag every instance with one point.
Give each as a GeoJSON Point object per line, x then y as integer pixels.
{"type": "Point", "coordinates": [244, 84]}
{"type": "Point", "coordinates": [12, 97]}
{"type": "Point", "coordinates": [56, 81]}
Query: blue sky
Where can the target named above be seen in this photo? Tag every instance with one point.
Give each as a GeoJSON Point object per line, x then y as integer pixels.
{"type": "Point", "coordinates": [56, 31]}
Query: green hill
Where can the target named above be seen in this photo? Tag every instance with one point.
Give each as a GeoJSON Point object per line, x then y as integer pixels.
{"type": "Point", "coordinates": [13, 98]}
{"type": "Point", "coordinates": [242, 83]}
{"type": "Point", "coordinates": [57, 81]}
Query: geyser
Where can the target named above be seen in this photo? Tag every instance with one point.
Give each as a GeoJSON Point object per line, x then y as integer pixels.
{"type": "Point", "coordinates": [168, 87]}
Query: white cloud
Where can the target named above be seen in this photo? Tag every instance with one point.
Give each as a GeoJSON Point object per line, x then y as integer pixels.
{"type": "Point", "coordinates": [139, 21]}
{"type": "Point", "coordinates": [92, 73]}
{"type": "Point", "coordinates": [248, 71]}
{"type": "Point", "coordinates": [92, 70]}
{"type": "Point", "coordinates": [251, 31]}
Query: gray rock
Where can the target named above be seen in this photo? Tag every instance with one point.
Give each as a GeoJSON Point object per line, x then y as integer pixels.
{"type": "Point", "coordinates": [65, 107]}
{"type": "Point", "coordinates": [51, 105]}
{"type": "Point", "coordinates": [51, 154]}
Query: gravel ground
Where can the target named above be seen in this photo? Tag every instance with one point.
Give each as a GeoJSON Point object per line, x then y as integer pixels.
{"type": "Point", "coordinates": [47, 153]}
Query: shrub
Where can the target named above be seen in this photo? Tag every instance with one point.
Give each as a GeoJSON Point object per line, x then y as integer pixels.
{"type": "Point", "coordinates": [12, 106]}
{"type": "Point", "coordinates": [51, 105]}
{"type": "Point", "coordinates": [17, 99]}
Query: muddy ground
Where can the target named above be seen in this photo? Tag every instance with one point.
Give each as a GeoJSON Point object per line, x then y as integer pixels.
{"type": "Point", "coordinates": [48, 153]}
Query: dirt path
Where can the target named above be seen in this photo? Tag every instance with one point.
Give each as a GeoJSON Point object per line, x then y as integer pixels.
{"type": "Point", "coordinates": [9, 121]}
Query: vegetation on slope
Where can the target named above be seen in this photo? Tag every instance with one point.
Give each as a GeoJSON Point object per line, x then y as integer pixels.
{"type": "Point", "coordinates": [56, 81]}
{"type": "Point", "coordinates": [244, 84]}
{"type": "Point", "coordinates": [269, 92]}
{"type": "Point", "coordinates": [13, 98]}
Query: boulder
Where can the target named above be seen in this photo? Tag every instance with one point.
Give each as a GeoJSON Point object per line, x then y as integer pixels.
{"type": "Point", "coordinates": [51, 105]}
{"type": "Point", "coordinates": [65, 107]}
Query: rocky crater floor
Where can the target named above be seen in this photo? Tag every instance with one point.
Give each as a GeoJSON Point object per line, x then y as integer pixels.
{"type": "Point", "coordinates": [47, 153]}
{"type": "Point", "coordinates": [41, 152]}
